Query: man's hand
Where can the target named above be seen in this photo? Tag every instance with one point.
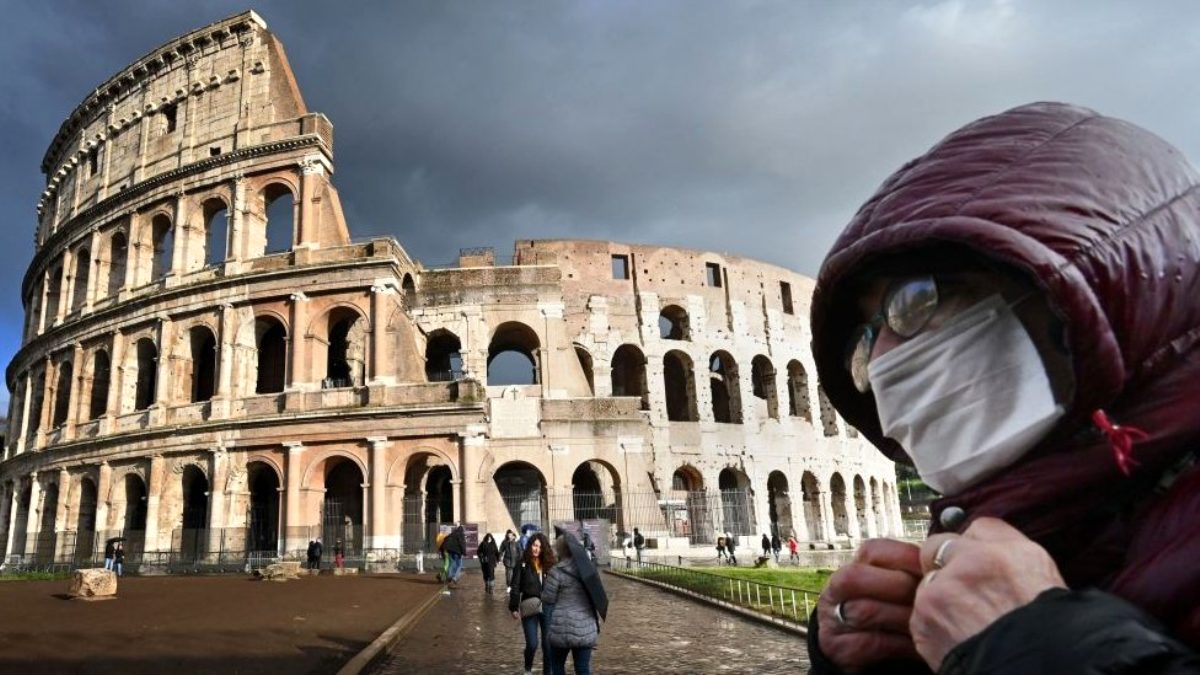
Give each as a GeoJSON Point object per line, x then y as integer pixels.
{"type": "Point", "coordinates": [978, 577]}
{"type": "Point", "coordinates": [876, 593]}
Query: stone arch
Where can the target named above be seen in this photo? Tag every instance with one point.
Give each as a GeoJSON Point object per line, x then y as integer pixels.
{"type": "Point", "coordinates": [319, 462]}
{"type": "Point", "coordinates": [20, 532]}
{"type": "Point", "coordinates": [763, 379]}
{"type": "Point", "coordinates": [344, 505]}
{"type": "Point", "coordinates": [83, 270]}
{"type": "Point", "coordinates": [101, 380]}
{"type": "Point", "coordinates": [798, 402]}
{"type": "Point", "coordinates": [828, 415]}
{"type": "Point", "coordinates": [280, 211]}
{"type": "Point", "coordinates": [513, 355]}
{"type": "Point", "coordinates": [45, 544]}
{"type": "Point", "coordinates": [779, 505]}
{"type": "Point", "coordinates": [860, 505]}
{"type": "Point", "coordinates": [443, 356]}
{"type": "Point", "coordinates": [62, 392]}
{"type": "Point", "coordinates": [688, 509]}
{"type": "Point", "coordinates": [628, 374]}
{"type": "Point", "coordinates": [194, 363]}
{"type": "Point", "coordinates": [88, 502]}
{"type": "Point", "coordinates": [192, 524]}
{"type": "Point", "coordinates": [214, 225]}
{"type": "Point", "coordinates": [339, 340]}
{"type": "Point", "coordinates": [587, 365]}
{"type": "Point", "coordinates": [837, 496]}
{"type": "Point", "coordinates": [161, 245]}
{"type": "Point", "coordinates": [596, 493]}
{"type": "Point", "coordinates": [811, 493]}
{"type": "Point", "coordinates": [142, 361]}
{"type": "Point", "coordinates": [118, 262]}
{"type": "Point", "coordinates": [723, 381]}
{"type": "Point", "coordinates": [737, 513]}
{"type": "Point", "coordinates": [428, 478]}
{"type": "Point", "coordinates": [263, 480]}
{"type": "Point", "coordinates": [674, 323]}
{"type": "Point", "coordinates": [54, 284]}
{"type": "Point", "coordinates": [679, 382]}
{"type": "Point", "coordinates": [522, 488]}
{"type": "Point", "coordinates": [271, 353]}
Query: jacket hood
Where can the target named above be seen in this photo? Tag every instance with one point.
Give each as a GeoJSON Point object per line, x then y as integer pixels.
{"type": "Point", "coordinates": [1101, 215]}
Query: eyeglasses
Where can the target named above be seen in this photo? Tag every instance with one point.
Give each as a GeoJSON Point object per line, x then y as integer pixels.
{"type": "Point", "coordinates": [907, 307]}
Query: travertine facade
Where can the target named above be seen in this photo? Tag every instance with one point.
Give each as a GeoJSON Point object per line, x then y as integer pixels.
{"type": "Point", "coordinates": [211, 365]}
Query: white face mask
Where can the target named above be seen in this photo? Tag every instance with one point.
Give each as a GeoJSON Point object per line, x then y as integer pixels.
{"type": "Point", "coordinates": [967, 399]}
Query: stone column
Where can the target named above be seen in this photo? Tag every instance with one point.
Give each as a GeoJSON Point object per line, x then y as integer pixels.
{"type": "Point", "coordinates": [221, 400]}
{"type": "Point", "coordinates": [76, 392]}
{"type": "Point", "coordinates": [828, 529]}
{"type": "Point", "coordinates": [103, 488]}
{"type": "Point", "coordinates": [311, 171]}
{"type": "Point", "coordinates": [237, 220]}
{"type": "Point", "coordinates": [381, 535]}
{"type": "Point", "coordinates": [89, 296]}
{"type": "Point", "coordinates": [155, 479]}
{"type": "Point", "coordinates": [471, 452]}
{"type": "Point", "coordinates": [162, 382]}
{"type": "Point", "coordinates": [295, 539]}
{"type": "Point", "coordinates": [550, 312]}
{"type": "Point", "coordinates": [26, 401]}
{"type": "Point", "coordinates": [297, 369]}
{"type": "Point", "coordinates": [134, 262]}
{"type": "Point", "coordinates": [6, 493]}
{"type": "Point", "coordinates": [872, 512]}
{"type": "Point", "coordinates": [43, 321]}
{"type": "Point", "coordinates": [62, 510]}
{"type": "Point", "coordinates": [181, 236]}
{"type": "Point", "coordinates": [456, 498]}
{"type": "Point", "coordinates": [47, 403]}
{"type": "Point", "coordinates": [64, 288]}
{"type": "Point", "coordinates": [14, 506]}
{"type": "Point", "coordinates": [116, 381]}
{"type": "Point", "coordinates": [218, 470]}
{"type": "Point", "coordinates": [380, 365]}
{"type": "Point", "coordinates": [852, 514]}
{"type": "Point", "coordinates": [35, 508]}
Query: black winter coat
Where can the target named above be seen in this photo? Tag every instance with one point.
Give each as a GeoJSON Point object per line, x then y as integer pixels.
{"type": "Point", "coordinates": [526, 584]}
{"type": "Point", "coordinates": [456, 542]}
{"type": "Point", "coordinates": [510, 553]}
{"type": "Point", "coordinates": [1061, 631]}
{"type": "Point", "coordinates": [488, 554]}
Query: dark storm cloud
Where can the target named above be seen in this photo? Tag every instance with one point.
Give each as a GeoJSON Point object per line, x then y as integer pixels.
{"type": "Point", "coordinates": [750, 127]}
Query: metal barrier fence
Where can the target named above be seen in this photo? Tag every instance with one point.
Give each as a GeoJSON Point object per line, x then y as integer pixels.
{"type": "Point", "coordinates": [788, 604]}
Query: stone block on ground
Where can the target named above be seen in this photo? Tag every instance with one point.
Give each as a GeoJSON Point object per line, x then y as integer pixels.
{"type": "Point", "coordinates": [343, 571]}
{"type": "Point", "coordinates": [94, 583]}
{"type": "Point", "coordinates": [278, 572]}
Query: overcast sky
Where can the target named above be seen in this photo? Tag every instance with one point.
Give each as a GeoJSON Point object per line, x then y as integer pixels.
{"type": "Point", "coordinates": [750, 127]}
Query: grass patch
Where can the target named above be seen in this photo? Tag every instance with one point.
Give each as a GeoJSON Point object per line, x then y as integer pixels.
{"type": "Point", "coordinates": [800, 578]}
{"type": "Point", "coordinates": [715, 583]}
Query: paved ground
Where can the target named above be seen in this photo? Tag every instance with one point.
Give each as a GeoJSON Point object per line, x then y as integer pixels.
{"type": "Point", "coordinates": [210, 625]}
{"type": "Point", "coordinates": [648, 631]}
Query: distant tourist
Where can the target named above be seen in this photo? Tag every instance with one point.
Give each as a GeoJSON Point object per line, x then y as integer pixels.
{"type": "Point", "coordinates": [525, 599]}
{"type": "Point", "coordinates": [119, 559]}
{"type": "Point", "coordinates": [588, 544]}
{"type": "Point", "coordinates": [510, 555]}
{"type": "Point", "coordinates": [573, 627]}
{"type": "Point", "coordinates": [109, 547]}
{"type": "Point", "coordinates": [318, 551]}
{"type": "Point", "coordinates": [776, 546]}
{"type": "Point", "coordinates": [489, 555]}
{"type": "Point", "coordinates": [310, 556]}
{"type": "Point", "coordinates": [339, 554]}
{"type": "Point", "coordinates": [440, 543]}
{"type": "Point", "coordinates": [639, 543]}
{"type": "Point", "coordinates": [766, 545]}
{"type": "Point", "coordinates": [721, 557]}
{"type": "Point", "coordinates": [731, 547]}
{"type": "Point", "coordinates": [793, 549]}
{"type": "Point", "coordinates": [455, 546]}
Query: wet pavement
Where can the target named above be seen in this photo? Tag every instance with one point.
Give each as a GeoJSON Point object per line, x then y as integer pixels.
{"type": "Point", "coordinates": [648, 631]}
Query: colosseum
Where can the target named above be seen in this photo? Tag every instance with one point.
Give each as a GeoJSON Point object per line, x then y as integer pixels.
{"type": "Point", "coordinates": [215, 370]}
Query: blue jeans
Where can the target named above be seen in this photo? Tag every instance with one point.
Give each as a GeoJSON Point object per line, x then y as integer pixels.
{"type": "Point", "coordinates": [120, 569]}
{"type": "Point", "coordinates": [455, 566]}
{"type": "Point", "coordinates": [108, 563]}
{"type": "Point", "coordinates": [531, 625]}
{"type": "Point", "coordinates": [581, 656]}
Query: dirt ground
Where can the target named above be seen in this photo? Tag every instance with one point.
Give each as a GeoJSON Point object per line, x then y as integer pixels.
{"type": "Point", "coordinates": [183, 625]}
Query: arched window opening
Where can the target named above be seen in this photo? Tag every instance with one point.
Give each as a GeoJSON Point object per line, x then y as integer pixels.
{"type": "Point", "coordinates": [345, 362]}
{"type": "Point", "coordinates": [689, 512]}
{"type": "Point", "coordinates": [85, 521]}
{"type": "Point", "coordinates": [680, 385]}
{"type": "Point", "coordinates": [279, 206]}
{"type": "Point", "coordinates": [53, 293]}
{"type": "Point", "coordinates": [147, 375]}
{"type": "Point", "coordinates": [135, 504]}
{"type": "Point", "coordinates": [342, 512]}
{"type": "Point", "coordinates": [837, 490]}
{"type": "Point", "coordinates": [810, 488]}
{"type": "Point", "coordinates": [512, 355]}
{"type": "Point", "coordinates": [860, 505]}
{"type": "Point", "coordinates": [163, 239]}
{"type": "Point", "coordinates": [798, 403]}
{"type": "Point", "coordinates": [62, 394]}
{"type": "Point", "coordinates": [443, 357]}
{"type": "Point", "coordinates": [736, 499]}
{"type": "Point", "coordinates": [216, 232]}
{"type": "Point", "coordinates": [83, 270]}
{"type": "Point", "coordinates": [629, 374]}
{"type": "Point", "coordinates": [585, 363]}
{"type": "Point", "coordinates": [828, 416]}
{"type": "Point", "coordinates": [118, 260]}
{"type": "Point", "coordinates": [204, 364]}
{"type": "Point", "coordinates": [194, 521]}
{"type": "Point", "coordinates": [763, 375]}
{"type": "Point", "coordinates": [439, 496]}
{"type": "Point", "coordinates": [409, 287]}
{"type": "Point", "coordinates": [20, 532]}
{"type": "Point", "coordinates": [36, 402]}
{"type": "Point", "coordinates": [101, 377]}
{"type": "Point", "coordinates": [264, 508]}
{"type": "Point", "coordinates": [723, 382]}
{"type": "Point", "coordinates": [270, 337]}
{"type": "Point", "coordinates": [428, 501]}
{"type": "Point", "coordinates": [779, 503]}
{"type": "Point", "coordinates": [596, 494]}
{"type": "Point", "coordinates": [523, 491]}
{"type": "Point", "coordinates": [673, 323]}
{"type": "Point", "coordinates": [46, 539]}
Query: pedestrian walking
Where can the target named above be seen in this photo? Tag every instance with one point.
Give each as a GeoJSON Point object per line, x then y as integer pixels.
{"type": "Point", "coordinates": [721, 558]}
{"type": "Point", "coordinates": [443, 574]}
{"type": "Point", "coordinates": [488, 555]}
{"type": "Point", "coordinates": [119, 559]}
{"type": "Point", "coordinates": [588, 544]}
{"type": "Point", "coordinates": [510, 555]}
{"type": "Point", "coordinates": [318, 550]}
{"type": "Point", "coordinates": [525, 599]}
{"type": "Point", "coordinates": [310, 556]}
{"type": "Point", "coordinates": [639, 543]}
{"type": "Point", "coordinates": [766, 545]}
{"type": "Point", "coordinates": [793, 550]}
{"type": "Point", "coordinates": [776, 546]}
{"type": "Point", "coordinates": [455, 546]}
{"type": "Point", "coordinates": [573, 627]}
{"type": "Point", "coordinates": [731, 547]}
{"type": "Point", "coordinates": [109, 547]}
{"type": "Point", "coordinates": [339, 554]}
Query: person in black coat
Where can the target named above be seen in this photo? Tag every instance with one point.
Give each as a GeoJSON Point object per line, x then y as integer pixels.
{"type": "Point", "coordinates": [510, 556]}
{"type": "Point", "coordinates": [489, 555]}
{"type": "Point", "coordinates": [776, 546]}
{"type": "Point", "coordinates": [527, 583]}
{"type": "Point", "coordinates": [109, 548]}
{"type": "Point", "coordinates": [455, 545]}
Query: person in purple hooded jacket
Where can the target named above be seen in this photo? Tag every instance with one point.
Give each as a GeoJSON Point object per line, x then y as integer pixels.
{"type": "Point", "coordinates": [1017, 313]}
